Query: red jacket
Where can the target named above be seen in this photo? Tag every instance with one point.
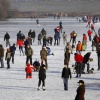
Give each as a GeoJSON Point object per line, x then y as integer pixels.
{"type": "Point", "coordinates": [89, 32]}
{"type": "Point", "coordinates": [85, 38]}
{"type": "Point", "coordinates": [79, 58]}
{"type": "Point", "coordinates": [29, 68]}
{"type": "Point", "coordinates": [20, 43]}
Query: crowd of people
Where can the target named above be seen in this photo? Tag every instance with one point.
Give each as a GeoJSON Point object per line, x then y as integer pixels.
{"type": "Point", "coordinates": [24, 43]}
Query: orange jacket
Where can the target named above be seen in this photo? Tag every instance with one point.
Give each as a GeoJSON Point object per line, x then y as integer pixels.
{"type": "Point", "coordinates": [79, 47]}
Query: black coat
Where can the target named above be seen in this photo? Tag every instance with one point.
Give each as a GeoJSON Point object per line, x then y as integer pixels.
{"type": "Point", "coordinates": [98, 52]}
{"type": "Point", "coordinates": [80, 93]}
{"type": "Point", "coordinates": [7, 36]}
{"type": "Point", "coordinates": [42, 73]}
{"type": "Point", "coordinates": [66, 72]}
{"type": "Point", "coordinates": [86, 57]}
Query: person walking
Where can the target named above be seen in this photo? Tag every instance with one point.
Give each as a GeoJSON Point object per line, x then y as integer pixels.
{"type": "Point", "coordinates": [42, 76]}
{"type": "Point", "coordinates": [66, 72]}
{"type": "Point", "coordinates": [80, 91]}
{"type": "Point", "coordinates": [20, 43]}
{"type": "Point", "coordinates": [7, 37]}
{"type": "Point", "coordinates": [89, 34]}
{"type": "Point", "coordinates": [1, 56]}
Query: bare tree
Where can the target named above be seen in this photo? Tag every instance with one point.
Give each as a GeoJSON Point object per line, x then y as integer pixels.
{"type": "Point", "coordinates": [4, 7]}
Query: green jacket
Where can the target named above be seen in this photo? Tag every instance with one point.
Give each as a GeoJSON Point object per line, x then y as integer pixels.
{"type": "Point", "coordinates": [43, 53]}
{"type": "Point", "coordinates": [29, 51]}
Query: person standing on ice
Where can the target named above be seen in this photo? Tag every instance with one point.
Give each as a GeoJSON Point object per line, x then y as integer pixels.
{"type": "Point", "coordinates": [43, 32]}
{"type": "Point", "coordinates": [66, 72]}
{"type": "Point", "coordinates": [64, 38]}
{"type": "Point", "coordinates": [98, 55]}
{"type": "Point", "coordinates": [33, 35]}
{"type": "Point", "coordinates": [60, 25]}
{"type": "Point", "coordinates": [28, 70]}
{"type": "Point", "coordinates": [1, 56]}
{"type": "Point", "coordinates": [99, 32]}
{"type": "Point", "coordinates": [29, 53]}
{"type": "Point", "coordinates": [8, 57]}
{"type": "Point", "coordinates": [43, 54]}
{"type": "Point", "coordinates": [42, 76]}
{"type": "Point", "coordinates": [56, 37]}
{"type": "Point", "coordinates": [79, 61]}
{"type": "Point", "coordinates": [12, 50]}
{"type": "Point", "coordinates": [80, 91]}
{"type": "Point", "coordinates": [39, 38]}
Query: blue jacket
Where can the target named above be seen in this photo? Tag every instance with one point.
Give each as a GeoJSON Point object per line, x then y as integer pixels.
{"type": "Point", "coordinates": [12, 49]}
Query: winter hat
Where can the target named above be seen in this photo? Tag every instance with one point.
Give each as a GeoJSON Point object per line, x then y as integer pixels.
{"type": "Point", "coordinates": [81, 81]}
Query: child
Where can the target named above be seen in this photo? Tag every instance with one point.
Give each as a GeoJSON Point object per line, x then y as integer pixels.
{"type": "Point", "coordinates": [28, 70]}
{"type": "Point", "coordinates": [8, 57]}
{"type": "Point", "coordinates": [42, 77]}
{"type": "Point", "coordinates": [83, 46]}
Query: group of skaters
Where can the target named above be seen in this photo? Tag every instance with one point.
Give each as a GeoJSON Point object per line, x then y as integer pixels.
{"type": "Point", "coordinates": [44, 41]}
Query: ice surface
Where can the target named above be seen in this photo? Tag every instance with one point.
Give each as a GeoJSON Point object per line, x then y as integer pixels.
{"type": "Point", "coordinates": [13, 84]}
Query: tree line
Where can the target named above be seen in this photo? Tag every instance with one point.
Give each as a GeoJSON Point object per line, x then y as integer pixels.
{"type": "Point", "coordinates": [4, 8]}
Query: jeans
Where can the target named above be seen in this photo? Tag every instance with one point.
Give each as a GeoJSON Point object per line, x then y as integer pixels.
{"type": "Point", "coordinates": [65, 80]}
{"type": "Point", "coordinates": [7, 42]}
{"type": "Point", "coordinates": [21, 49]}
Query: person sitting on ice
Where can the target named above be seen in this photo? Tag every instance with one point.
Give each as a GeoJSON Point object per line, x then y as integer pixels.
{"type": "Point", "coordinates": [28, 70]}
{"type": "Point", "coordinates": [36, 64]}
{"type": "Point", "coordinates": [49, 52]}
